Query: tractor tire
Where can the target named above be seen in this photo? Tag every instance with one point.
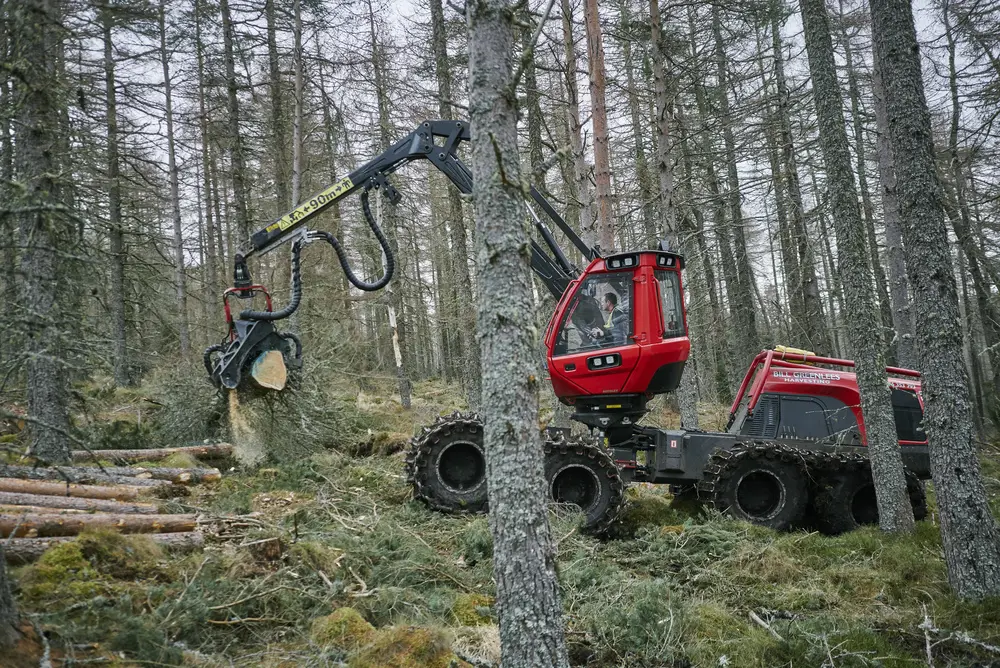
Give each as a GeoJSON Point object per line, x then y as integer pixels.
{"type": "Point", "coordinates": [584, 474]}
{"type": "Point", "coordinates": [845, 502]}
{"type": "Point", "coordinates": [446, 464]}
{"type": "Point", "coordinates": [762, 483]}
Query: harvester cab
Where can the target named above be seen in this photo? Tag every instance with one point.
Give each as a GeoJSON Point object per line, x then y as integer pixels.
{"type": "Point", "coordinates": [617, 310]}
{"type": "Point", "coordinates": [618, 336]}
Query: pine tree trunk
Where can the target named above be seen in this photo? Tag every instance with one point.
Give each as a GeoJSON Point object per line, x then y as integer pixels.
{"type": "Point", "coordinates": [605, 233]}
{"type": "Point", "coordinates": [297, 112]}
{"type": "Point", "coordinates": [279, 135]}
{"type": "Point", "coordinates": [8, 609]}
{"type": "Point", "coordinates": [470, 364]}
{"type": "Point", "coordinates": [747, 343]}
{"type": "Point", "coordinates": [45, 232]}
{"type": "Point", "coordinates": [867, 343]}
{"type": "Point", "coordinates": [116, 231]}
{"type": "Point", "coordinates": [211, 258]}
{"type": "Point", "coordinates": [531, 628]}
{"type": "Point", "coordinates": [969, 531]}
{"type": "Point", "coordinates": [811, 320]}
{"type": "Point", "coordinates": [398, 334]}
{"type": "Point", "coordinates": [687, 392]}
{"type": "Point", "coordinates": [899, 291]}
{"type": "Point", "coordinates": [236, 156]}
{"type": "Point", "coordinates": [180, 278]}
{"type": "Point", "coordinates": [579, 209]}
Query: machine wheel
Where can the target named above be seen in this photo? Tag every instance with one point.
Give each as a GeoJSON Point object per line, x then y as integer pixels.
{"type": "Point", "coordinates": [845, 502]}
{"type": "Point", "coordinates": [585, 475]}
{"type": "Point", "coordinates": [446, 464]}
{"type": "Point", "coordinates": [762, 483]}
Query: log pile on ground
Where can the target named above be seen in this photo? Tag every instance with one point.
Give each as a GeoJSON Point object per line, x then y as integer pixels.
{"type": "Point", "coordinates": [45, 506]}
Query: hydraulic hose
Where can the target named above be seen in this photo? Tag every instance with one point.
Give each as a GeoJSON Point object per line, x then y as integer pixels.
{"type": "Point", "coordinates": [390, 261]}
{"type": "Point", "coordinates": [293, 303]}
{"type": "Point", "coordinates": [207, 357]}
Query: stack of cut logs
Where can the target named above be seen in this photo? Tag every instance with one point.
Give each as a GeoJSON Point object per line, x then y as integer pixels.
{"type": "Point", "coordinates": [40, 507]}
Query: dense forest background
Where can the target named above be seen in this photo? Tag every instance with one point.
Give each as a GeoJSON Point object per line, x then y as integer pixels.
{"type": "Point", "coordinates": [186, 126]}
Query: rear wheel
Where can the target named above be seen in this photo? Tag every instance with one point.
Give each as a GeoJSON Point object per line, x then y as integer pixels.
{"type": "Point", "coordinates": [762, 483]}
{"type": "Point", "coordinates": [584, 475]}
{"type": "Point", "coordinates": [845, 502]}
{"type": "Point", "coordinates": [446, 464]}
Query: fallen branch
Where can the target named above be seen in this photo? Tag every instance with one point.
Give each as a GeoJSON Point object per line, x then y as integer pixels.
{"type": "Point", "coordinates": [24, 550]}
{"type": "Point", "coordinates": [45, 525]}
{"type": "Point", "coordinates": [152, 454]}
{"type": "Point", "coordinates": [757, 620]}
{"type": "Point", "coordinates": [117, 492]}
{"type": "Point", "coordinates": [74, 503]}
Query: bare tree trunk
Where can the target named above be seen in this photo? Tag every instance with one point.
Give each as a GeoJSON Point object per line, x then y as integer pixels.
{"type": "Point", "coordinates": [599, 116]}
{"type": "Point", "coordinates": [470, 367]}
{"type": "Point", "coordinates": [8, 609]}
{"type": "Point", "coordinates": [279, 136]}
{"type": "Point", "coordinates": [211, 259]}
{"type": "Point", "coordinates": [745, 318]}
{"type": "Point", "coordinates": [297, 114]}
{"type": "Point", "coordinates": [379, 65]}
{"type": "Point", "coordinates": [235, 138]}
{"type": "Point", "coordinates": [531, 629]}
{"type": "Point", "coordinates": [969, 531]}
{"type": "Point", "coordinates": [116, 231]}
{"type": "Point", "coordinates": [687, 393]}
{"type": "Point", "coordinates": [898, 289]}
{"type": "Point", "coordinates": [45, 232]}
{"type": "Point", "coordinates": [867, 343]}
{"type": "Point", "coordinates": [580, 208]}
{"type": "Point", "coordinates": [180, 279]}
{"type": "Point", "coordinates": [811, 319]}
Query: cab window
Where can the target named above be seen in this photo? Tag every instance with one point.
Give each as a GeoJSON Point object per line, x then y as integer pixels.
{"type": "Point", "coordinates": [670, 302]}
{"type": "Point", "coordinates": [599, 314]}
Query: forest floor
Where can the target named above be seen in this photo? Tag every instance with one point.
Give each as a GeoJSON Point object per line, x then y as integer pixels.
{"type": "Point", "coordinates": [320, 558]}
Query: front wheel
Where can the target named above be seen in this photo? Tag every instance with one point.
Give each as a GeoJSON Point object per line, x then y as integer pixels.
{"type": "Point", "coordinates": [584, 475]}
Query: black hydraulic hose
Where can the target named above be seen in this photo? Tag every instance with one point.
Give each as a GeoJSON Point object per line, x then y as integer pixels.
{"type": "Point", "coordinates": [293, 303]}
{"type": "Point", "coordinates": [390, 261]}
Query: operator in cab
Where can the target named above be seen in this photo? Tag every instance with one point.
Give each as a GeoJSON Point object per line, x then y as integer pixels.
{"type": "Point", "coordinates": [612, 333]}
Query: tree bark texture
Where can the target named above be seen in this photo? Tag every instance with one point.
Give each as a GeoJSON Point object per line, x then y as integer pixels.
{"type": "Point", "coordinates": [531, 629]}
{"type": "Point", "coordinates": [180, 278]}
{"type": "Point", "coordinates": [580, 205]}
{"type": "Point", "coordinates": [599, 115]}
{"type": "Point", "coordinates": [26, 525]}
{"type": "Point", "coordinates": [236, 153]}
{"type": "Point", "coordinates": [25, 550]}
{"type": "Point", "coordinates": [279, 133]}
{"type": "Point", "coordinates": [811, 321]}
{"type": "Point", "coordinates": [73, 503]}
{"type": "Point", "coordinates": [687, 392]}
{"type": "Point", "coordinates": [969, 531]}
{"type": "Point", "coordinates": [867, 343]}
{"type": "Point", "coordinates": [8, 609]}
{"type": "Point", "coordinates": [45, 231]}
{"type": "Point", "coordinates": [459, 259]}
{"type": "Point", "coordinates": [116, 230]}
{"type": "Point", "coordinates": [899, 291]}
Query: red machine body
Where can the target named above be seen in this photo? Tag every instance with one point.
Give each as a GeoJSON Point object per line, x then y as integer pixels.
{"type": "Point", "coordinates": [782, 381]}
{"type": "Point", "coordinates": [636, 346]}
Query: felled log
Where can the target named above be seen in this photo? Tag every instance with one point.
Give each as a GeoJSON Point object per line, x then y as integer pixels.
{"type": "Point", "coordinates": [152, 454]}
{"type": "Point", "coordinates": [42, 525]}
{"type": "Point", "coordinates": [174, 475]}
{"type": "Point", "coordinates": [25, 550]}
{"type": "Point", "coordinates": [74, 503]}
{"type": "Point", "coordinates": [12, 510]}
{"type": "Point", "coordinates": [86, 476]}
{"type": "Point", "coordinates": [118, 492]}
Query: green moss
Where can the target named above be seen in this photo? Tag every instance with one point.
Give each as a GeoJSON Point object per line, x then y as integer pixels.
{"type": "Point", "coordinates": [316, 556]}
{"type": "Point", "coordinates": [408, 647]}
{"type": "Point", "coordinates": [345, 628]}
{"type": "Point", "coordinates": [62, 574]}
{"type": "Point", "coordinates": [472, 609]}
{"type": "Point", "coordinates": [122, 557]}
{"type": "Point", "coordinates": [180, 460]}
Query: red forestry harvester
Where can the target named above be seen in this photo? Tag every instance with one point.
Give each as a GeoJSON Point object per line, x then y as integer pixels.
{"type": "Point", "coordinates": [795, 447]}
